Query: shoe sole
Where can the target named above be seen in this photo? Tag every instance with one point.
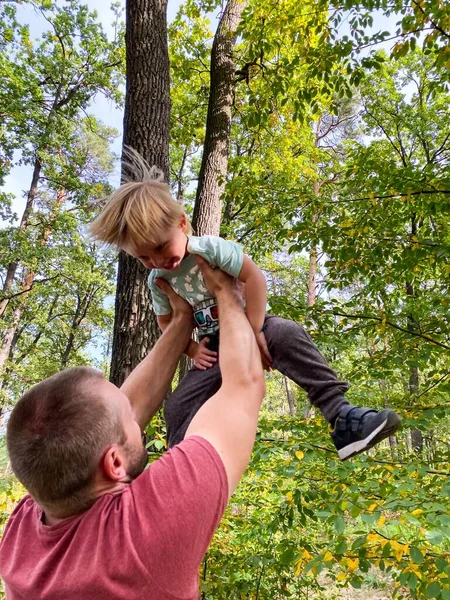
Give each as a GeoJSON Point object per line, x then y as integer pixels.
{"type": "Point", "coordinates": [387, 428]}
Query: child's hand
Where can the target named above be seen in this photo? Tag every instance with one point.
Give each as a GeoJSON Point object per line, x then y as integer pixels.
{"type": "Point", "coordinates": [265, 354]}
{"type": "Point", "coordinates": [203, 357]}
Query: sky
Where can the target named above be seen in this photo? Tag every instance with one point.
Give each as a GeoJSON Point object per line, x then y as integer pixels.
{"type": "Point", "coordinates": [17, 182]}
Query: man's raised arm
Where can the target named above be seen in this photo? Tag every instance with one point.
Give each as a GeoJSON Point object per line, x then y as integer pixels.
{"type": "Point", "coordinates": [228, 420]}
{"type": "Point", "coordinates": [147, 385]}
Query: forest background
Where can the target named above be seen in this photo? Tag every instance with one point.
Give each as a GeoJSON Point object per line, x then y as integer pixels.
{"type": "Point", "coordinates": [321, 143]}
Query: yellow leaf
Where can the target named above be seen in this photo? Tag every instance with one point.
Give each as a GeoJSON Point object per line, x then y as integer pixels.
{"type": "Point", "coordinates": [372, 538]}
{"type": "Point", "coordinates": [327, 556]}
{"type": "Point", "coordinates": [298, 567]}
{"type": "Point", "coordinates": [381, 521]}
{"type": "Point", "coordinates": [290, 496]}
{"type": "Point", "coordinates": [306, 555]}
{"type": "Point", "coordinates": [352, 565]}
{"type": "Point", "coordinates": [417, 512]}
{"type": "Point", "coordinates": [399, 549]}
{"type": "Point", "coordinates": [341, 577]}
{"type": "Point", "coordinates": [299, 454]}
{"type": "Point", "coordinates": [372, 507]}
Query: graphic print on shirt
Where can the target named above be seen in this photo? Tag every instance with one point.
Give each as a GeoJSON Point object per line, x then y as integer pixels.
{"type": "Point", "coordinates": [206, 315]}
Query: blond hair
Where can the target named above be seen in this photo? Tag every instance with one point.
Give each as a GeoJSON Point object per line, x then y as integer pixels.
{"type": "Point", "coordinates": [141, 210]}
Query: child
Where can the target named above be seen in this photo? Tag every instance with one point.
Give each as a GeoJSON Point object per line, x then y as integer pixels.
{"type": "Point", "coordinates": [142, 218]}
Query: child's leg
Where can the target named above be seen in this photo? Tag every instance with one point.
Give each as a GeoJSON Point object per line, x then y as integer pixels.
{"type": "Point", "coordinates": [194, 390]}
{"type": "Point", "coordinates": [295, 355]}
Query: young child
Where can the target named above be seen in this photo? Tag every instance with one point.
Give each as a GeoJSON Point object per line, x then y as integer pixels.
{"type": "Point", "coordinates": [142, 218]}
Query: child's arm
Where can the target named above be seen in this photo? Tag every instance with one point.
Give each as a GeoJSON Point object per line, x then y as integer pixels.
{"type": "Point", "coordinates": [203, 357]}
{"type": "Point", "coordinates": [255, 304]}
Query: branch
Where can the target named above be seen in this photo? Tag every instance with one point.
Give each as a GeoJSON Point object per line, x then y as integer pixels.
{"type": "Point", "coordinates": [25, 291]}
{"type": "Point", "coordinates": [399, 195]}
{"type": "Point", "coordinates": [394, 326]}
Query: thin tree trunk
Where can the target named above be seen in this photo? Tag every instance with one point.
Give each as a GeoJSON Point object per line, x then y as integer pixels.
{"type": "Point", "coordinates": [289, 396]}
{"type": "Point", "coordinates": [146, 129]}
{"type": "Point", "coordinates": [10, 337]}
{"type": "Point", "coordinates": [393, 446]}
{"type": "Point", "coordinates": [11, 331]}
{"type": "Point", "coordinates": [214, 167]}
{"type": "Point", "coordinates": [413, 384]}
{"type": "Point", "coordinates": [12, 267]}
{"type": "Point", "coordinates": [416, 434]}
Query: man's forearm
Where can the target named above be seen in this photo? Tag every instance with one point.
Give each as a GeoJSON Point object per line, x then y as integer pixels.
{"type": "Point", "coordinates": [256, 301]}
{"type": "Point", "coordinates": [147, 384]}
{"type": "Point", "coordinates": [239, 354]}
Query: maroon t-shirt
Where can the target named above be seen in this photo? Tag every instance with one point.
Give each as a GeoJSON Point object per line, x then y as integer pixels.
{"type": "Point", "coordinates": [146, 542]}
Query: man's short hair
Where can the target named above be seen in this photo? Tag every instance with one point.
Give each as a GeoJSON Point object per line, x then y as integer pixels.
{"type": "Point", "coordinates": [56, 435]}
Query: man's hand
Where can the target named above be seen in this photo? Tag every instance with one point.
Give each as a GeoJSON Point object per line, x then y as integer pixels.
{"type": "Point", "coordinates": [181, 308]}
{"type": "Point", "coordinates": [203, 357]}
{"type": "Point", "coordinates": [266, 358]}
{"type": "Point", "coordinates": [216, 280]}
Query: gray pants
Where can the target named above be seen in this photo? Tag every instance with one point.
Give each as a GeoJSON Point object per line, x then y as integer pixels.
{"type": "Point", "coordinates": [294, 354]}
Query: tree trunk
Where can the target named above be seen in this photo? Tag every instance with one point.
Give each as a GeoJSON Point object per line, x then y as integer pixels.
{"type": "Point", "coordinates": [10, 336]}
{"type": "Point", "coordinates": [146, 129]}
{"type": "Point", "coordinates": [214, 167]}
{"type": "Point", "coordinates": [83, 305]}
{"type": "Point", "coordinates": [289, 396]}
{"type": "Point", "coordinates": [416, 434]}
{"type": "Point", "coordinates": [10, 332]}
{"type": "Point", "coordinates": [12, 267]}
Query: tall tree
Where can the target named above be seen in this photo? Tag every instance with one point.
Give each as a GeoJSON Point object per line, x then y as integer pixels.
{"type": "Point", "coordinates": [146, 130]}
{"type": "Point", "coordinates": [214, 167]}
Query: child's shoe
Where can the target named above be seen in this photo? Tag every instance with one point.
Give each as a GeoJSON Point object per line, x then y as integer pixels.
{"type": "Point", "coordinates": [358, 429]}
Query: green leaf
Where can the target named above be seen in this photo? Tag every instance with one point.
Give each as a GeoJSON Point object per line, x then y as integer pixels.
{"type": "Point", "coordinates": [416, 555]}
{"type": "Point", "coordinates": [433, 590]}
{"type": "Point", "coordinates": [287, 556]}
{"type": "Point", "coordinates": [339, 525]}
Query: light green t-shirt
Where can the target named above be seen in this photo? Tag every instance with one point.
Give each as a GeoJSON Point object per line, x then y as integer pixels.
{"type": "Point", "coordinates": [187, 280]}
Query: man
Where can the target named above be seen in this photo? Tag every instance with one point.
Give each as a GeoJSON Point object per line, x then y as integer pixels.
{"type": "Point", "coordinates": [95, 526]}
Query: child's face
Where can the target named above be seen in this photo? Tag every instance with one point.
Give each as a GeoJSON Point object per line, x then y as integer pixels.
{"type": "Point", "coordinates": [167, 253]}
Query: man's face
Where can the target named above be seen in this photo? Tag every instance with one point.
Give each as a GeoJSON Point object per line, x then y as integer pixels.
{"type": "Point", "coordinates": [136, 455]}
{"type": "Point", "coordinates": [167, 252]}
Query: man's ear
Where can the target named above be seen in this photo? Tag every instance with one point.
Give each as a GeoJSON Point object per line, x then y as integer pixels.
{"type": "Point", "coordinates": [113, 463]}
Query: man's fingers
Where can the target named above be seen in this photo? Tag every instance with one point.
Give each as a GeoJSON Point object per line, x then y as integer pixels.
{"type": "Point", "coordinates": [164, 285]}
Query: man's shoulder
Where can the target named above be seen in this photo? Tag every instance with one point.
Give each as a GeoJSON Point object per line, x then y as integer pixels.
{"type": "Point", "coordinates": [194, 454]}
{"type": "Point", "coordinates": [25, 512]}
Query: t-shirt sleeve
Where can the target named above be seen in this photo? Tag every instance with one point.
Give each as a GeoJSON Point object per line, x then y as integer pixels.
{"type": "Point", "coordinates": [221, 253]}
{"type": "Point", "coordinates": [160, 301]}
{"type": "Point", "coordinates": [179, 501]}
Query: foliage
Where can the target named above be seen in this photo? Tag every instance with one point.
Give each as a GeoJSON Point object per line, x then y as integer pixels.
{"type": "Point", "coordinates": [336, 146]}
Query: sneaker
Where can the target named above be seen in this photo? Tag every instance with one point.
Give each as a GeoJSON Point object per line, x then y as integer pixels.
{"type": "Point", "coordinates": [358, 429]}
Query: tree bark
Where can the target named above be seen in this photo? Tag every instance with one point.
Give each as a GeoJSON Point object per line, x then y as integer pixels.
{"type": "Point", "coordinates": [416, 434]}
{"type": "Point", "coordinates": [289, 396]}
{"type": "Point", "coordinates": [12, 267]}
{"type": "Point", "coordinates": [213, 172]}
{"type": "Point", "coordinates": [8, 338]}
{"type": "Point", "coordinates": [146, 130]}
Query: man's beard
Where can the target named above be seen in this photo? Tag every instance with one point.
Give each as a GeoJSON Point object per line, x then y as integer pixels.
{"type": "Point", "coordinates": [137, 460]}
